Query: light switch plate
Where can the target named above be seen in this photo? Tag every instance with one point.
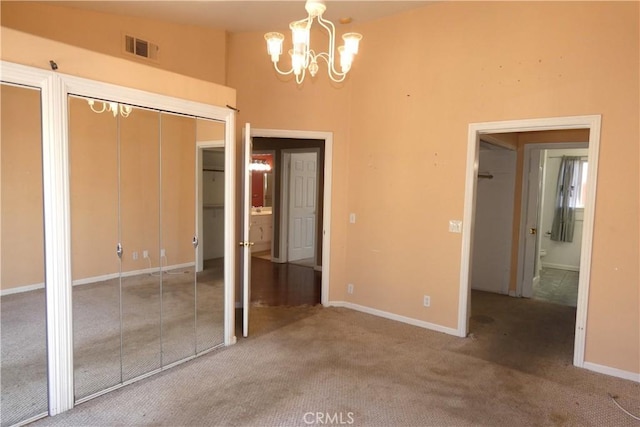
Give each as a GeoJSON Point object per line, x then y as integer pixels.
{"type": "Point", "coordinates": [455, 226]}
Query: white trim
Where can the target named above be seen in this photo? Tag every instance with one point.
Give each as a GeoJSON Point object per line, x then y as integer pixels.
{"type": "Point", "coordinates": [561, 266]}
{"type": "Point", "coordinates": [555, 123]}
{"type": "Point", "coordinates": [326, 213]}
{"type": "Point", "coordinates": [94, 89]}
{"type": "Point", "coordinates": [57, 212]}
{"type": "Point", "coordinates": [21, 289]}
{"type": "Point", "coordinates": [30, 420]}
{"type": "Point", "coordinates": [230, 215]}
{"type": "Point", "coordinates": [614, 372]}
{"type": "Point", "coordinates": [393, 316]}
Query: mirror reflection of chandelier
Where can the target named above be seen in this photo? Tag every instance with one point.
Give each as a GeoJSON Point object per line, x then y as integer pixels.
{"type": "Point", "coordinates": [259, 165]}
{"type": "Point", "coordinates": [111, 107]}
{"type": "Point", "coordinates": [304, 58]}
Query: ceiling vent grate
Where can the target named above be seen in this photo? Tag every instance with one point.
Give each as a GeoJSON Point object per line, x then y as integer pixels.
{"type": "Point", "coordinates": [141, 48]}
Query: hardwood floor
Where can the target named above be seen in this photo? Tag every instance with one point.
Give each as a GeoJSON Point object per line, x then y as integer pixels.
{"type": "Point", "coordinates": [275, 284]}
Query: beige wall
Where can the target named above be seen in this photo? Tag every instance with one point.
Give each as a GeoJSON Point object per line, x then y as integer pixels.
{"type": "Point", "coordinates": [400, 127]}
{"type": "Point", "coordinates": [188, 50]}
{"type": "Point", "coordinates": [22, 228]}
{"type": "Point", "coordinates": [27, 49]}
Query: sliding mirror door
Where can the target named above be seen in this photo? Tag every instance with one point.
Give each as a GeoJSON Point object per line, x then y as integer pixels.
{"type": "Point", "coordinates": [178, 237]}
{"type": "Point", "coordinates": [211, 232]}
{"type": "Point", "coordinates": [23, 390]}
{"type": "Point", "coordinates": [140, 261]}
{"type": "Point", "coordinates": [95, 267]}
{"type": "Point", "coordinates": [136, 192]}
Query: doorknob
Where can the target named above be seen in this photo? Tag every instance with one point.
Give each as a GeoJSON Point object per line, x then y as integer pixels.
{"type": "Point", "coordinates": [533, 231]}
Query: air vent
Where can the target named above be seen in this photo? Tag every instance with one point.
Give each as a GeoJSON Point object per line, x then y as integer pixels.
{"type": "Point", "coordinates": [141, 48]}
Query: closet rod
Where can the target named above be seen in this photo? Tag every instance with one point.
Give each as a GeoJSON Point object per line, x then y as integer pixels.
{"type": "Point", "coordinates": [485, 175]}
{"type": "Point", "coordinates": [212, 170]}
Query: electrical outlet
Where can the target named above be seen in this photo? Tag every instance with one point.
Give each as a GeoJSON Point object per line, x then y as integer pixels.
{"type": "Point", "coordinates": [426, 301]}
{"type": "Point", "coordinates": [455, 226]}
{"type": "Point", "coordinates": [350, 288]}
{"type": "Point", "coordinates": [352, 218]}
{"type": "Point", "coordinates": [135, 255]}
{"type": "Point", "coordinates": [162, 252]}
{"type": "Point", "coordinates": [145, 254]}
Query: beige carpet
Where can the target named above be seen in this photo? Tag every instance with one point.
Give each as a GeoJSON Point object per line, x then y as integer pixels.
{"type": "Point", "coordinates": [302, 363]}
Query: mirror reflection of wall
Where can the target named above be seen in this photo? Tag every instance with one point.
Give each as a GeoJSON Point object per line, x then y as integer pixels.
{"type": "Point", "coordinates": [23, 340]}
{"type": "Point", "coordinates": [261, 180]}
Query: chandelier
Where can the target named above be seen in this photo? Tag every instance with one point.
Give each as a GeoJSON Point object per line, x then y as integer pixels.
{"type": "Point", "coordinates": [111, 107]}
{"type": "Point", "coordinates": [304, 58]}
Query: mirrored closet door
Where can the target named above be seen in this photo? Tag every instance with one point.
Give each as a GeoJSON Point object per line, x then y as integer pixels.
{"type": "Point", "coordinates": [137, 304]}
{"type": "Point", "coordinates": [23, 385]}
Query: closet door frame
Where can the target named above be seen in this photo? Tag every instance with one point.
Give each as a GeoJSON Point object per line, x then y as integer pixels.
{"type": "Point", "coordinates": [55, 88]}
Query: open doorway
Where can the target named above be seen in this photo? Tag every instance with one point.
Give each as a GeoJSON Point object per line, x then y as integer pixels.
{"type": "Point", "coordinates": [520, 136]}
{"type": "Point", "coordinates": [269, 282]}
{"type": "Point", "coordinates": [561, 196]}
{"type": "Point", "coordinates": [286, 221]}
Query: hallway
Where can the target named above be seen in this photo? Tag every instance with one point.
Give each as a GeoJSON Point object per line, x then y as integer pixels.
{"type": "Point", "coordinates": [274, 284]}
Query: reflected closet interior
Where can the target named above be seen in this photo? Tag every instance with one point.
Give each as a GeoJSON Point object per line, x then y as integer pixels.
{"type": "Point", "coordinates": [141, 301]}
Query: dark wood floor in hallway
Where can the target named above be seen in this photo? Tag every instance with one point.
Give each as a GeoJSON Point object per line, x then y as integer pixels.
{"type": "Point", "coordinates": [274, 284]}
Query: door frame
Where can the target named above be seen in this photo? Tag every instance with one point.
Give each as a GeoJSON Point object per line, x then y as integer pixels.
{"type": "Point", "coordinates": [592, 123]}
{"type": "Point", "coordinates": [521, 289]}
{"type": "Point", "coordinates": [326, 197]}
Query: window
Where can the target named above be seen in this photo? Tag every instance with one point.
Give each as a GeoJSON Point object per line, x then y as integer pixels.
{"type": "Point", "coordinates": [582, 197]}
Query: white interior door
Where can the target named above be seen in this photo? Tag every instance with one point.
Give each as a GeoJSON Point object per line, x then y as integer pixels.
{"type": "Point", "coordinates": [245, 256]}
{"type": "Point", "coordinates": [302, 205]}
{"type": "Point", "coordinates": [531, 223]}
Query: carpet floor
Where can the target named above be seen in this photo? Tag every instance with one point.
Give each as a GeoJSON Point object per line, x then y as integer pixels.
{"type": "Point", "coordinates": [319, 366]}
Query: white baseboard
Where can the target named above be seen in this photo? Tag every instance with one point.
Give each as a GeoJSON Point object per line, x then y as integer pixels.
{"type": "Point", "coordinates": [392, 316]}
{"type": "Point", "coordinates": [21, 289]}
{"type": "Point", "coordinates": [614, 372]}
{"type": "Point", "coordinates": [95, 279]}
{"type": "Point", "coordinates": [561, 266]}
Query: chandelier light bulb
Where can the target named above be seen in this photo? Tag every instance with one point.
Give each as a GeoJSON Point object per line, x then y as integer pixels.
{"type": "Point", "coordinates": [274, 45]}
{"type": "Point", "coordinates": [351, 42]}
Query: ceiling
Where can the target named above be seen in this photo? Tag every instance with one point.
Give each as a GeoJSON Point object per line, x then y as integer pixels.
{"type": "Point", "coordinates": [240, 15]}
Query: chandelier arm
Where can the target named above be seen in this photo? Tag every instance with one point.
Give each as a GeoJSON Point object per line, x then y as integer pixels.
{"type": "Point", "coordinates": [95, 110]}
{"type": "Point", "coordinates": [284, 73]}
{"type": "Point", "coordinates": [300, 77]}
{"type": "Point", "coordinates": [331, 29]}
{"type": "Point", "coordinates": [334, 75]}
